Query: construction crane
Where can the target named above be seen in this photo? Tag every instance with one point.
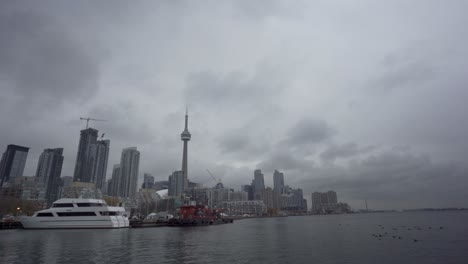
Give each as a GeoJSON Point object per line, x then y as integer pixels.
{"type": "Point", "coordinates": [92, 119]}
{"type": "Point", "coordinates": [217, 179]}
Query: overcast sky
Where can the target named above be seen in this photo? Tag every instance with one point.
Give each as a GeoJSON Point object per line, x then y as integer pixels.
{"type": "Point", "coordinates": [367, 98]}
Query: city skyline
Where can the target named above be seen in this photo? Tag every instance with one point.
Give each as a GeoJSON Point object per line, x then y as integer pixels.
{"type": "Point", "coordinates": [365, 99]}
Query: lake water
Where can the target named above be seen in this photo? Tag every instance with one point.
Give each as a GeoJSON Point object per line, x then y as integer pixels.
{"type": "Point", "coordinates": [442, 237]}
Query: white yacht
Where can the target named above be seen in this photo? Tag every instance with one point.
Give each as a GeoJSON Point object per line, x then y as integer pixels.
{"type": "Point", "coordinates": [78, 213]}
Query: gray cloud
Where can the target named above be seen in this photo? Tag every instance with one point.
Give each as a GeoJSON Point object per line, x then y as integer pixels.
{"type": "Point", "coordinates": [41, 61]}
{"type": "Point", "coordinates": [235, 89]}
{"type": "Point", "coordinates": [347, 150]}
{"type": "Point", "coordinates": [402, 72]}
{"type": "Point", "coordinates": [309, 131]}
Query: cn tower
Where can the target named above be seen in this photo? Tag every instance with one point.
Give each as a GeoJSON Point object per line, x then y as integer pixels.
{"type": "Point", "coordinates": [185, 136]}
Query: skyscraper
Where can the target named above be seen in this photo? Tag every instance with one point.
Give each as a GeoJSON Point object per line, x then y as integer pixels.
{"type": "Point", "coordinates": [48, 172]}
{"type": "Point", "coordinates": [316, 201]}
{"type": "Point", "coordinates": [176, 183]}
{"type": "Point", "coordinates": [332, 197]}
{"type": "Point", "coordinates": [88, 136]}
{"type": "Point", "coordinates": [12, 163]}
{"type": "Point", "coordinates": [249, 190]}
{"type": "Point", "coordinates": [98, 155]}
{"type": "Point", "coordinates": [185, 136]}
{"type": "Point", "coordinates": [129, 164]}
{"type": "Point", "coordinates": [258, 184]}
{"type": "Point", "coordinates": [114, 183]}
{"type": "Point", "coordinates": [278, 182]}
{"type": "Point", "coordinates": [324, 202]}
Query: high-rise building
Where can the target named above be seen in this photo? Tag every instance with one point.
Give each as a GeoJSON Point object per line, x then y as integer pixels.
{"type": "Point", "coordinates": [114, 183]}
{"type": "Point", "coordinates": [271, 200]}
{"type": "Point", "coordinates": [332, 197]}
{"type": "Point", "coordinates": [87, 137]}
{"type": "Point", "coordinates": [324, 198]}
{"type": "Point", "coordinates": [258, 184]}
{"type": "Point", "coordinates": [278, 182]}
{"type": "Point", "coordinates": [185, 136]}
{"type": "Point", "coordinates": [98, 155]}
{"type": "Point", "coordinates": [48, 172]}
{"type": "Point", "coordinates": [129, 165]}
{"type": "Point", "coordinates": [249, 190]}
{"type": "Point", "coordinates": [316, 201]}
{"type": "Point", "coordinates": [238, 196]}
{"type": "Point", "coordinates": [176, 183]}
{"type": "Point", "coordinates": [12, 163]}
{"type": "Point", "coordinates": [324, 202]}
{"type": "Point", "coordinates": [148, 181]}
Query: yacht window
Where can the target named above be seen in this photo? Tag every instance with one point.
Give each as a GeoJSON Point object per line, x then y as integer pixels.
{"type": "Point", "coordinates": [108, 213]}
{"type": "Point", "coordinates": [88, 204]}
{"type": "Point", "coordinates": [44, 214]}
{"type": "Point", "coordinates": [62, 205]}
{"type": "Point", "coordinates": [76, 214]}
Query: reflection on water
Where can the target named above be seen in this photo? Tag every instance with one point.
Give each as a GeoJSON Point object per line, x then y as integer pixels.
{"type": "Point", "coordinates": [311, 239]}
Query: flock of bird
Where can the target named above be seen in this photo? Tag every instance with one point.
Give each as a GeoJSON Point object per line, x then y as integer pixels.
{"type": "Point", "coordinates": [395, 231]}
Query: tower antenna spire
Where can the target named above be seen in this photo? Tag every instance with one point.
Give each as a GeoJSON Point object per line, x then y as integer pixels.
{"type": "Point", "coordinates": [186, 117]}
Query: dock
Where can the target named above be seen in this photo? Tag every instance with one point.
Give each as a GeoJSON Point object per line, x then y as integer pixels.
{"type": "Point", "coordinates": [10, 225]}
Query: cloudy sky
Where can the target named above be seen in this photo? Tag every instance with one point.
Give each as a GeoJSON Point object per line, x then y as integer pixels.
{"type": "Point", "coordinates": [367, 98]}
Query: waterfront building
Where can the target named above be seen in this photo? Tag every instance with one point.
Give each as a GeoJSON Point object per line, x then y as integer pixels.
{"type": "Point", "coordinates": [216, 196]}
{"type": "Point", "coordinates": [25, 188]}
{"type": "Point", "coordinates": [148, 181]}
{"type": "Point", "coordinates": [278, 182]}
{"type": "Point", "coordinates": [49, 169]}
{"type": "Point", "coordinates": [82, 190]}
{"type": "Point", "coordinates": [200, 195]}
{"type": "Point", "coordinates": [87, 137]}
{"type": "Point", "coordinates": [325, 202]}
{"type": "Point", "coordinates": [316, 201]}
{"type": "Point", "coordinates": [98, 155]}
{"type": "Point", "coordinates": [332, 197]}
{"type": "Point", "coordinates": [238, 196]}
{"type": "Point", "coordinates": [12, 163]}
{"type": "Point", "coordinates": [185, 137]}
{"type": "Point", "coordinates": [271, 200]}
{"type": "Point", "coordinates": [324, 198]}
{"type": "Point", "coordinates": [129, 166]}
{"type": "Point", "coordinates": [241, 208]}
{"type": "Point", "coordinates": [147, 201]}
{"type": "Point", "coordinates": [343, 208]}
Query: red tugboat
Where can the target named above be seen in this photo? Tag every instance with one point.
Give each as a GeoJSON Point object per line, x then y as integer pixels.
{"type": "Point", "coordinates": [196, 215]}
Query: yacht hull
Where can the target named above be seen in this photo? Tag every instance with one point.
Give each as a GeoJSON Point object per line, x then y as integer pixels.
{"type": "Point", "coordinates": [74, 222]}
